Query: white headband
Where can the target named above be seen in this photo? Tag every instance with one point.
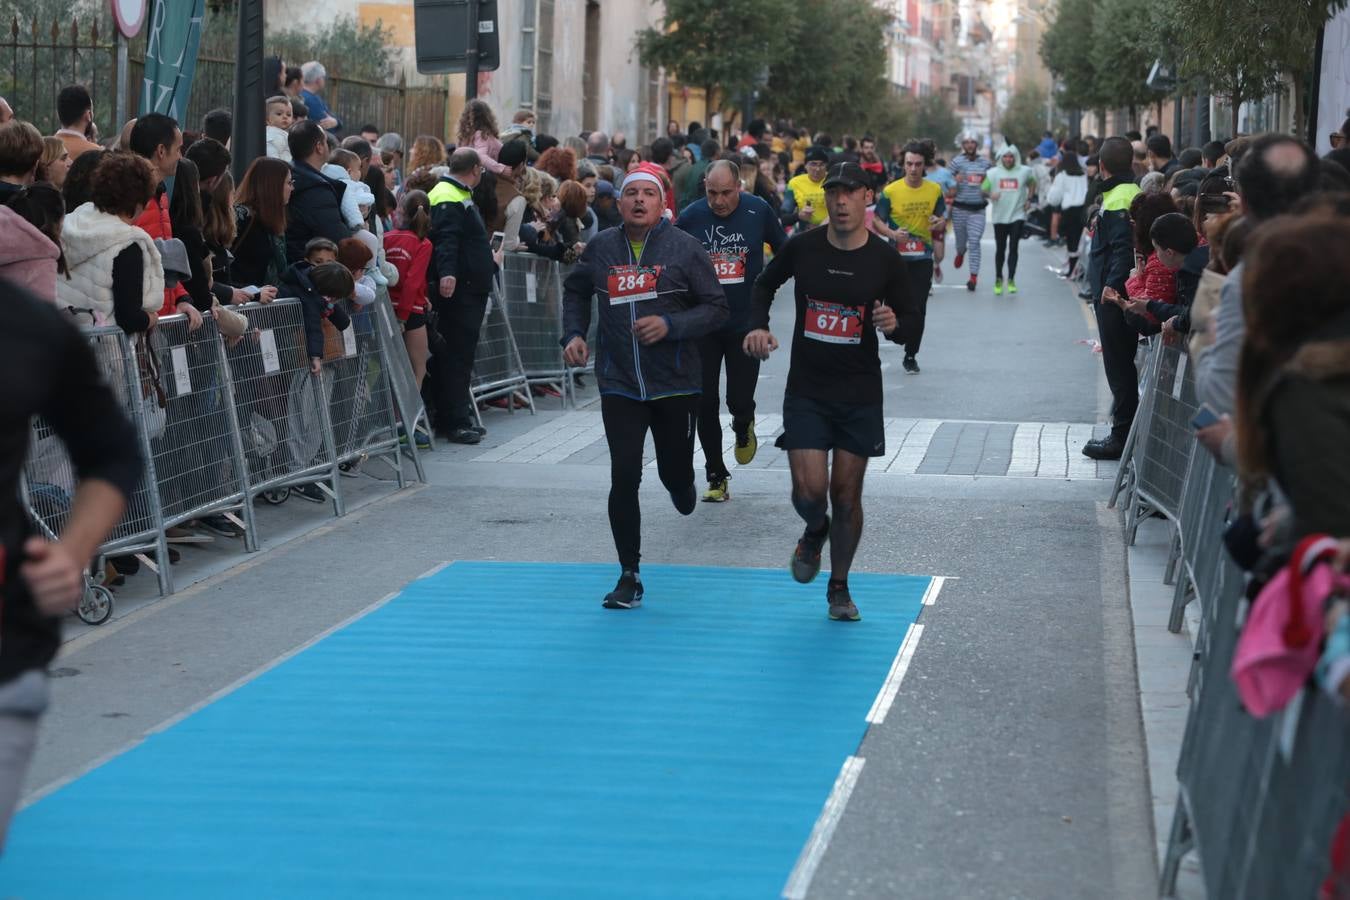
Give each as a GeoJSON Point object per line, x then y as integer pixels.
{"type": "Point", "coordinates": [634, 177]}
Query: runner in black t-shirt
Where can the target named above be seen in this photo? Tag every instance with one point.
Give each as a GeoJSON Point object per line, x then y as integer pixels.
{"type": "Point", "coordinates": [849, 284]}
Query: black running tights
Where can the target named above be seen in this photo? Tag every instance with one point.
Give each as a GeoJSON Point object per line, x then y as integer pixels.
{"type": "Point", "coordinates": [1006, 239]}
{"type": "Point", "coordinates": [671, 421]}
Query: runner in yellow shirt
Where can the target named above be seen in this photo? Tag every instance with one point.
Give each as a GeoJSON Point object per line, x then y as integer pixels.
{"type": "Point", "coordinates": [906, 213]}
{"type": "Point", "coordinates": [804, 199]}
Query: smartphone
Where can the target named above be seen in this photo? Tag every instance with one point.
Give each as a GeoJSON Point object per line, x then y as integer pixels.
{"type": "Point", "coordinates": [497, 239]}
{"type": "Point", "coordinates": [1204, 418]}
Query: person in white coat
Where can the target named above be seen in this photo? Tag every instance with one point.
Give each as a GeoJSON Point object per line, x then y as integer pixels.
{"type": "Point", "coordinates": [115, 269]}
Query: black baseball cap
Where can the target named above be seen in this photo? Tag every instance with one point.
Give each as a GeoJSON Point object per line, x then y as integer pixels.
{"type": "Point", "coordinates": [849, 175]}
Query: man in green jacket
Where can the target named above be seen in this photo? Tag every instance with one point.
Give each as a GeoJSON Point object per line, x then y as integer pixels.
{"type": "Point", "coordinates": [1007, 185]}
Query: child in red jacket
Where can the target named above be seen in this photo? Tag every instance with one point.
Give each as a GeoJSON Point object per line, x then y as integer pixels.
{"type": "Point", "coordinates": [408, 249]}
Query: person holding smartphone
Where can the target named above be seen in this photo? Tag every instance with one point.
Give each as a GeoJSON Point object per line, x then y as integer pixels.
{"type": "Point", "coordinates": [804, 199]}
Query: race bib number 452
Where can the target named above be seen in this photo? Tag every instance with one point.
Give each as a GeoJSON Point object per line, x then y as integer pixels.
{"type": "Point", "coordinates": [629, 284]}
{"type": "Point", "coordinates": [833, 323]}
{"type": "Point", "coordinates": [730, 267]}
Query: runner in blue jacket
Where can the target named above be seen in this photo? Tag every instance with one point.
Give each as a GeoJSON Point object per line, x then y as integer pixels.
{"type": "Point", "coordinates": [658, 295]}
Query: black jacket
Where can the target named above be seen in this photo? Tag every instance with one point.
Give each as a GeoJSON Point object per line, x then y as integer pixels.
{"type": "Point", "coordinates": [459, 241]}
{"type": "Point", "coordinates": [313, 307]}
{"type": "Point", "coordinates": [259, 255]}
{"type": "Point", "coordinates": [315, 210]}
{"type": "Point", "coordinates": [1112, 253]}
{"type": "Point", "coordinates": [686, 293]}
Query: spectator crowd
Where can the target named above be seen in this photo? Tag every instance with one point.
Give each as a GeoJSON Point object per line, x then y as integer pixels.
{"type": "Point", "coordinates": [1230, 246]}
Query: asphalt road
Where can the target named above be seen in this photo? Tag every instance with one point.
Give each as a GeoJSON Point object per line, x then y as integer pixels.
{"type": "Point", "coordinates": [1012, 763]}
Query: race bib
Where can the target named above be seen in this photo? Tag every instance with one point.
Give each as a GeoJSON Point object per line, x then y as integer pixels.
{"type": "Point", "coordinates": [1008, 184]}
{"type": "Point", "coordinates": [730, 267]}
{"type": "Point", "coordinates": [974, 178]}
{"type": "Point", "coordinates": [833, 323]}
{"type": "Point", "coordinates": [911, 247]}
{"type": "Point", "coordinates": [629, 284]}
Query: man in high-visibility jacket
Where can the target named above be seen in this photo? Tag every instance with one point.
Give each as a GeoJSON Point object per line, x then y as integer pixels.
{"type": "Point", "coordinates": [460, 279]}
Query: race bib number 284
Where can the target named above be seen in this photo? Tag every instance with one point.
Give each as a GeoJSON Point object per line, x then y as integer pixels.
{"type": "Point", "coordinates": [629, 284]}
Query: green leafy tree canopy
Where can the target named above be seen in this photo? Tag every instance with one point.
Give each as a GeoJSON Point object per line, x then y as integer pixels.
{"type": "Point", "coordinates": [723, 45]}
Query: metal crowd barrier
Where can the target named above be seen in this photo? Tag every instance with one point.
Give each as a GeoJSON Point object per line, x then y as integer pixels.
{"type": "Point", "coordinates": [497, 367]}
{"type": "Point", "coordinates": [532, 294]}
{"type": "Point", "coordinates": [284, 417]}
{"type": "Point", "coordinates": [222, 421]}
{"type": "Point", "coordinates": [1259, 800]}
{"type": "Point", "coordinates": [412, 412]}
{"type": "Point", "coordinates": [199, 456]}
{"type": "Point", "coordinates": [49, 477]}
{"type": "Point", "coordinates": [361, 403]}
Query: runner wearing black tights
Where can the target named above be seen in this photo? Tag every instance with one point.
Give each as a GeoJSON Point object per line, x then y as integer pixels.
{"type": "Point", "coordinates": [658, 295]}
{"type": "Point", "coordinates": [1006, 239]}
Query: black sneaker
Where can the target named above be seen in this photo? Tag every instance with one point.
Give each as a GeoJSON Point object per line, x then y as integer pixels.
{"type": "Point", "coordinates": [311, 492]}
{"type": "Point", "coordinates": [466, 435]}
{"type": "Point", "coordinates": [911, 365]}
{"type": "Point", "coordinates": [805, 563]}
{"type": "Point", "coordinates": [627, 594]}
{"type": "Point", "coordinates": [842, 608]}
{"type": "Point", "coordinates": [482, 432]}
{"type": "Point", "coordinates": [685, 499]}
{"type": "Point", "coordinates": [220, 525]}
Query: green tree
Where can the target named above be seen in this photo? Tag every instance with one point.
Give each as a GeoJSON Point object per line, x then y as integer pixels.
{"type": "Point", "coordinates": [1024, 119]}
{"type": "Point", "coordinates": [1068, 51]}
{"type": "Point", "coordinates": [832, 71]}
{"type": "Point", "coordinates": [723, 46]}
{"type": "Point", "coordinates": [1246, 47]}
{"type": "Point", "coordinates": [1123, 37]}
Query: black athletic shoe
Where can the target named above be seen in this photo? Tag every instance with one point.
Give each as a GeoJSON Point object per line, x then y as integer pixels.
{"type": "Point", "coordinates": [311, 492]}
{"type": "Point", "coordinates": [842, 608]}
{"type": "Point", "coordinates": [911, 365]}
{"type": "Point", "coordinates": [1109, 447]}
{"type": "Point", "coordinates": [627, 594]}
{"type": "Point", "coordinates": [219, 524]}
{"type": "Point", "coordinates": [482, 432]}
{"type": "Point", "coordinates": [805, 563]}
{"type": "Point", "coordinates": [466, 435]}
{"type": "Point", "coordinates": [685, 499]}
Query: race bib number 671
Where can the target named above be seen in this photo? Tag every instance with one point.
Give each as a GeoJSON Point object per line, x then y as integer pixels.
{"type": "Point", "coordinates": [629, 284]}
{"type": "Point", "coordinates": [833, 323]}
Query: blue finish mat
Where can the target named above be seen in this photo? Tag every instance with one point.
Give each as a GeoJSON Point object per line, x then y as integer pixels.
{"type": "Point", "coordinates": [492, 732]}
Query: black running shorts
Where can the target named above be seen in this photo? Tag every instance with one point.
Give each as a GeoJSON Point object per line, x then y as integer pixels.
{"type": "Point", "coordinates": [815, 425]}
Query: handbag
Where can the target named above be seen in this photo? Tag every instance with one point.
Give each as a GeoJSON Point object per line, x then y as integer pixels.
{"type": "Point", "coordinates": [152, 398]}
{"type": "Point", "coordinates": [1280, 643]}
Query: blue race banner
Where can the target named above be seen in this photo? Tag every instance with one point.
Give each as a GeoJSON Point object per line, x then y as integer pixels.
{"type": "Point", "coordinates": [175, 32]}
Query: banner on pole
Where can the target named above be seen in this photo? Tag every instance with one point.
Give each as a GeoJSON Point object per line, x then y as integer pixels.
{"type": "Point", "coordinates": [175, 33]}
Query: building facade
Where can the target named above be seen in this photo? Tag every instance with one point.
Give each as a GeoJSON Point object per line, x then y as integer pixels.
{"type": "Point", "coordinates": [573, 62]}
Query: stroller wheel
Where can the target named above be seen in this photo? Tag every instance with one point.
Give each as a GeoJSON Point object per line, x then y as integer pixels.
{"type": "Point", "coordinates": [277, 497]}
{"type": "Point", "coordinates": [96, 606]}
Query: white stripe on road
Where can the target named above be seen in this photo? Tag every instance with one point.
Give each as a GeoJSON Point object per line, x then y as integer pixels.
{"type": "Point", "coordinates": [799, 882]}
{"type": "Point", "coordinates": [1026, 450]}
{"type": "Point", "coordinates": [882, 705]}
{"type": "Point", "coordinates": [934, 586]}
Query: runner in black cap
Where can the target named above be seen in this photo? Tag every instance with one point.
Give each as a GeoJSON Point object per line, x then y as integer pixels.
{"type": "Point", "coordinates": [849, 284]}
